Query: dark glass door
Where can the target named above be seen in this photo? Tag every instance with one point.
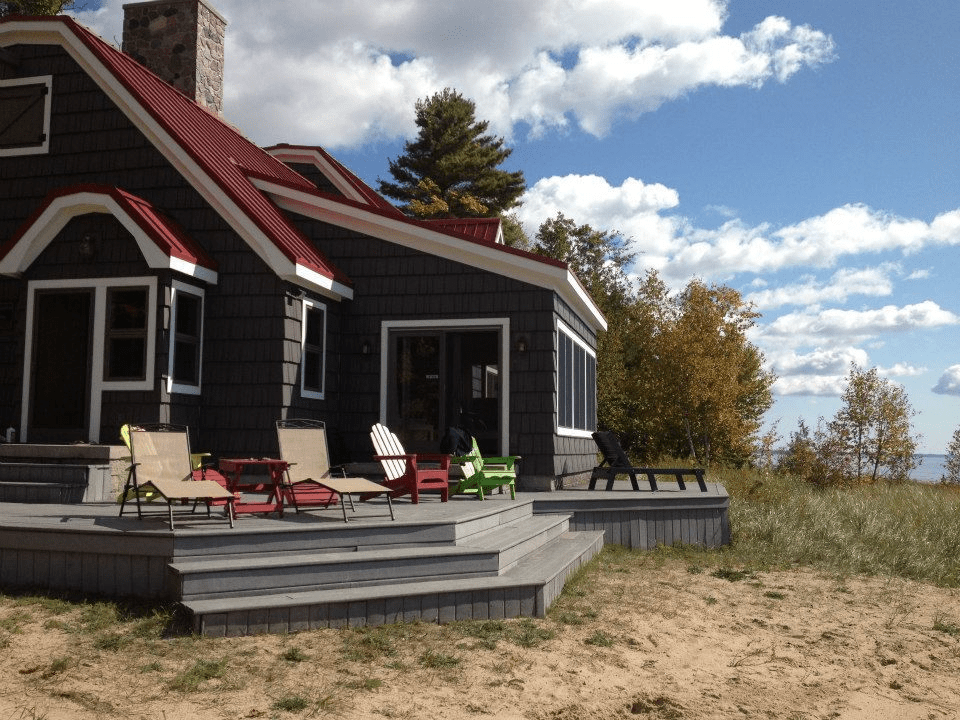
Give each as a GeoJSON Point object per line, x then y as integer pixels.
{"type": "Point", "coordinates": [60, 367]}
{"type": "Point", "coordinates": [444, 378]}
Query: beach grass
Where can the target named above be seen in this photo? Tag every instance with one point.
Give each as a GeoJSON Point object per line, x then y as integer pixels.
{"type": "Point", "coordinates": [908, 530]}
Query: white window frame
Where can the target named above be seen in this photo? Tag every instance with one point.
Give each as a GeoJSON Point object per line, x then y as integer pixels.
{"type": "Point", "coordinates": [44, 147]}
{"type": "Point", "coordinates": [305, 392]}
{"type": "Point", "coordinates": [564, 329]}
{"type": "Point", "coordinates": [178, 387]}
{"type": "Point", "coordinates": [98, 385]}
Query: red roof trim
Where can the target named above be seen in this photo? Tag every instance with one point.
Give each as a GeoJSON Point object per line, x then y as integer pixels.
{"type": "Point", "coordinates": [166, 234]}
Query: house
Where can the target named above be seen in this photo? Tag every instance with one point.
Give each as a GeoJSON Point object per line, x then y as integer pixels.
{"type": "Point", "coordinates": [156, 266]}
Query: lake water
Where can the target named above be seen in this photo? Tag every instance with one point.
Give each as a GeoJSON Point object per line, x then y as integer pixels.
{"type": "Point", "coordinates": [932, 468]}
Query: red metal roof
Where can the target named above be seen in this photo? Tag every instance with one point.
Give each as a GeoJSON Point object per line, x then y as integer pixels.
{"type": "Point", "coordinates": [485, 229]}
{"type": "Point", "coordinates": [222, 152]}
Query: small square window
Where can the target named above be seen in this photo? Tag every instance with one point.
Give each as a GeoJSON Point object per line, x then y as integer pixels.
{"type": "Point", "coordinates": [24, 116]}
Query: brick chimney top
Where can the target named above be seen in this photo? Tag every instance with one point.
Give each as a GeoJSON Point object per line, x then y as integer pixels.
{"type": "Point", "coordinates": [181, 41]}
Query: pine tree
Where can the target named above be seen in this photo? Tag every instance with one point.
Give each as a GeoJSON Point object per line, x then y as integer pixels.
{"type": "Point", "coordinates": [452, 169]}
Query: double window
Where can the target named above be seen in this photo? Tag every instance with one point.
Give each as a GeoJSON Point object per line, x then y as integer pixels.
{"type": "Point", "coordinates": [186, 339]}
{"type": "Point", "coordinates": [576, 383]}
{"type": "Point", "coordinates": [24, 115]}
{"type": "Point", "coordinates": [313, 349]}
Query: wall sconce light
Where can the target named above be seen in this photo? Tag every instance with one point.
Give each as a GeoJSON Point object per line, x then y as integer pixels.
{"type": "Point", "coordinates": [366, 347]}
{"type": "Point", "coordinates": [88, 248]}
{"type": "Point", "coordinates": [522, 344]}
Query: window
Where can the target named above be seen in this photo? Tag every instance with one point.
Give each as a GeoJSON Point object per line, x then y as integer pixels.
{"type": "Point", "coordinates": [186, 339]}
{"type": "Point", "coordinates": [125, 337]}
{"type": "Point", "coordinates": [24, 116]}
{"type": "Point", "coordinates": [313, 349]}
{"type": "Point", "coordinates": [576, 383]}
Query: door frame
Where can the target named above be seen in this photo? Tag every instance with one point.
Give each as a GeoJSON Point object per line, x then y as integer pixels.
{"type": "Point", "coordinates": [462, 324]}
{"type": "Point", "coordinates": [98, 287]}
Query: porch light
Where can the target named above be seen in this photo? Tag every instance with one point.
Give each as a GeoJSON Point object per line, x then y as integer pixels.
{"type": "Point", "coordinates": [522, 344]}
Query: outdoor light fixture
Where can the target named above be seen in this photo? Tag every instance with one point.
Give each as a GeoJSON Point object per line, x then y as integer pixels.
{"type": "Point", "coordinates": [522, 344]}
{"type": "Point", "coordinates": [366, 347]}
{"type": "Point", "coordinates": [88, 247]}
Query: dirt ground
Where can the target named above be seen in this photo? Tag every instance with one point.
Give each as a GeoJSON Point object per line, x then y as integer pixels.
{"type": "Point", "coordinates": [657, 638]}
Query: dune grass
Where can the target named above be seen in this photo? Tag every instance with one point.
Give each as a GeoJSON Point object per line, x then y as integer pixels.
{"type": "Point", "coordinates": [908, 530]}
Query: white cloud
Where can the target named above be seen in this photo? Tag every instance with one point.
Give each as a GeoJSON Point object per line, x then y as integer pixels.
{"type": "Point", "coordinates": [633, 209]}
{"type": "Point", "coordinates": [873, 282]}
{"type": "Point", "coordinates": [818, 385]}
{"type": "Point", "coordinates": [822, 362]}
{"type": "Point", "coordinates": [949, 382]}
{"type": "Point", "coordinates": [816, 242]}
{"type": "Point", "coordinates": [838, 327]}
{"type": "Point", "coordinates": [901, 370]}
{"type": "Point", "coordinates": [304, 72]}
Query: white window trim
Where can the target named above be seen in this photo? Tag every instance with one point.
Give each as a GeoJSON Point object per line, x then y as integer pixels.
{"type": "Point", "coordinates": [97, 384]}
{"type": "Point", "coordinates": [172, 386]}
{"type": "Point", "coordinates": [501, 324]}
{"type": "Point", "coordinates": [304, 392]}
{"type": "Point", "coordinates": [562, 327]}
{"type": "Point", "coordinates": [44, 147]}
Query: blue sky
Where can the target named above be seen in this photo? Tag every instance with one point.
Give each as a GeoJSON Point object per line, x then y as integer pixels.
{"type": "Point", "coordinates": [804, 152]}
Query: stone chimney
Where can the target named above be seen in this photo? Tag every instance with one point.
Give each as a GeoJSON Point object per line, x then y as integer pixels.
{"type": "Point", "coordinates": [181, 41]}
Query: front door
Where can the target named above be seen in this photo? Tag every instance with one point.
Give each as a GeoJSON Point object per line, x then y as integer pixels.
{"type": "Point", "coordinates": [443, 378]}
{"type": "Point", "coordinates": [60, 367]}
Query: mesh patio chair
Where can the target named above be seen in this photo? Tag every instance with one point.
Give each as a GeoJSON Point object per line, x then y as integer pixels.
{"type": "Point", "coordinates": [161, 464]}
{"type": "Point", "coordinates": [309, 478]}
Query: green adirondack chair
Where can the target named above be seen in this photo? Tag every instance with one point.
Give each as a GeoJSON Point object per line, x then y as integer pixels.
{"type": "Point", "coordinates": [482, 475]}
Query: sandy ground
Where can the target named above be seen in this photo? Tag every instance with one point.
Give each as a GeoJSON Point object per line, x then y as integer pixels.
{"type": "Point", "coordinates": [654, 638]}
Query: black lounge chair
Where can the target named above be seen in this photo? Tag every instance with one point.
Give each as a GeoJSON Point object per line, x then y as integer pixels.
{"type": "Point", "coordinates": [615, 462]}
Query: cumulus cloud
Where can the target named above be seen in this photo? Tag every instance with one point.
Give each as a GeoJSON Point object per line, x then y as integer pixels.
{"type": "Point", "coordinates": [873, 282]}
{"type": "Point", "coordinates": [838, 327]}
{"type": "Point", "coordinates": [820, 361]}
{"type": "Point", "coordinates": [949, 382]}
{"type": "Point", "coordinates": [816, 385]}
{"type": "Point", "coordinates": [816, 242]}
{"type": "Point", "coordinates": [633, 209]}
{"type": "Point", "coordinates": [304, 72]}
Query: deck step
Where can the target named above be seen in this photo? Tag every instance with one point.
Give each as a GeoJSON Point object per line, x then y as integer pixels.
{"type": "Point", "coordinates": [526, 590]}
{"type": "Point", "coordinates": [324, 530]}
{"type": "Point", "coordinates": [486, 553]}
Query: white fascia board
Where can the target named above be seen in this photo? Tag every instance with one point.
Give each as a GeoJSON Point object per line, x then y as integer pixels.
{"type": "Point", "coordinates": [416, 237]}
{"type": "Point", "coordinates": [218, 199]}
{"type": "Point", "coordinates": [55, 217]}
{"type": "Point", "coordinates": [305, 277]}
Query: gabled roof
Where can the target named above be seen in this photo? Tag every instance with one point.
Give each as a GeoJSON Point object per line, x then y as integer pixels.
{"type": "Point", "coordinates": [211, 155]}
{"type": "Point", "coordinates": [161, 241]}
{"type": "Point", "coordinates": [250, 188]}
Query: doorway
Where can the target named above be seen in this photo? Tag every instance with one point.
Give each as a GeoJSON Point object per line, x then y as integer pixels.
{"type": "Point", "coordinates": [441, 378]}
{"type": "Point", "coordinates": [60, 367]}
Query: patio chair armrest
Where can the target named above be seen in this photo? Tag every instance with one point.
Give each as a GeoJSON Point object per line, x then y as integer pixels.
{"type": "Point", "coordinates": [441, 459]}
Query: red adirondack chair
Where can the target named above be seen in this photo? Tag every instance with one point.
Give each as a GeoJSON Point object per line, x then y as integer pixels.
{"type": "Point", "coordinates": [405, 472]}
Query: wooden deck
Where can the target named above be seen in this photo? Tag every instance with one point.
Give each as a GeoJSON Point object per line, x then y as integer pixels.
{"type": "Point", "coordinates": [435, 562]}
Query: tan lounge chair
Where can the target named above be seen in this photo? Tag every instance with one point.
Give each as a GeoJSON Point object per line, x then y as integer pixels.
{"type": "Point", "coordinates": [309, 477]}
{"type": "Point", "coordinates": [161, 464]}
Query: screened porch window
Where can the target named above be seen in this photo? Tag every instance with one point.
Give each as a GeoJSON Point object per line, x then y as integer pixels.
{"type": "Point", "coordinates": [313, 349]}
{"type": "Point", "coordinates": [24, 116]}
{"type": "Point", "coordinates": [576, 383]}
